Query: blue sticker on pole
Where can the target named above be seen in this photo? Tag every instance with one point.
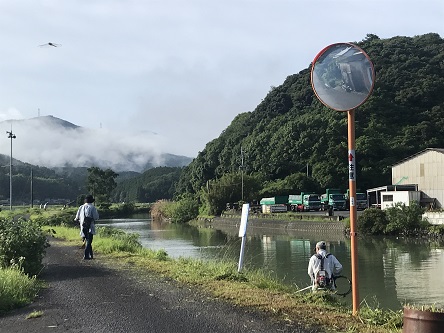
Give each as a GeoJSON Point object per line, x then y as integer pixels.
{"type": "Point", "coordinates": [351, 165]}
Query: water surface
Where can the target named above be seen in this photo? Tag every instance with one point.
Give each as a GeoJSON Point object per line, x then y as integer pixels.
{"type": "Point", "coordinates": [391, 271]}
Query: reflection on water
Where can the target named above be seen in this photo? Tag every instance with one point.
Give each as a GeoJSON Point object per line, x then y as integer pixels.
{"type": "Point", "coordinates": [392, 271]}
{"type": "Point", "coordinates": [177, 239]}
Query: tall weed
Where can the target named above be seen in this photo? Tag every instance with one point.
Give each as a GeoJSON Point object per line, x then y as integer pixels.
{"type": "Point", "coordinates": [16, 288]}
{"type": "Point", "coordinates": [114, 240]}
{"type": "Point", "coordinates": [25, 239]}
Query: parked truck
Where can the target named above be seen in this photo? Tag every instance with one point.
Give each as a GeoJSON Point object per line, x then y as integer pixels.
{"type": "Point", "coordinates": [304, 202]}
{"type": "Point", "coordinates": [276, 204]}
{"type": "Point", "coordinates": [361, 200]}
{"type": "Point", "coordinates": [333, 198]}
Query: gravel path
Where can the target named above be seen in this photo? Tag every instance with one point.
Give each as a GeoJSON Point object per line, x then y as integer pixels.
{"type": "Point", "coordinates": [90, 296]}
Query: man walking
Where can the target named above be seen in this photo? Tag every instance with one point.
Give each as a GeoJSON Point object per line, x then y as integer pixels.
{"type": "Point", "coordinates": [86, 215]}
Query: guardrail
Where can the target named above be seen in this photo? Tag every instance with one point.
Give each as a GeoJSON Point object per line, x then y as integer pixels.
{"type": "Point", "coordinates": [435, 218]}
{"type": "Point", "coordinates": [286, 217]}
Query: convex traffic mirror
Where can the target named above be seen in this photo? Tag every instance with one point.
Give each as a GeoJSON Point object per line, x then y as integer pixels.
{"type": "Point", "coordinates": [342, 76]}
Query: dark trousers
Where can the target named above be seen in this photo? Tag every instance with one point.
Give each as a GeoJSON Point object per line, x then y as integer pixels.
{"type": "Point", "coordinates": [88, 247]}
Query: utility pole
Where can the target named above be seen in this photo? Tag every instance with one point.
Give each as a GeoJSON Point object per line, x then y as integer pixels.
{"type": "Point", "coordinates": [32, 190]}
{"type": "Point", "coordinates": [242, 173]}
{"type": "Point", "coordinates": [10, 136]}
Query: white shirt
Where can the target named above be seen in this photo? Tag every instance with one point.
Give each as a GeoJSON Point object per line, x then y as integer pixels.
{"type": "Point", "coordinates": [331, 265]}
{"type": "Point", "coordinates": [90, 210]}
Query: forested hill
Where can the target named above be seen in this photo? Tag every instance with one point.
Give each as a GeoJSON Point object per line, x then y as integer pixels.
{"type": "Point", "coordinates": [153, 184]}
{"type": "Point", "coordinates": [46, 183]}
{"type": "Point", "coordinates": [290, 129]}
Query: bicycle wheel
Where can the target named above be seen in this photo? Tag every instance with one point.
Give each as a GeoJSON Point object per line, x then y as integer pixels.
{"type": "Point", "coordinates": [343, 285]}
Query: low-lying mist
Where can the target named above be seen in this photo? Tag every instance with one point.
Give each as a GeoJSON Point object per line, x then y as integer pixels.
{"type": "Point", "coordinates": [52, 142]}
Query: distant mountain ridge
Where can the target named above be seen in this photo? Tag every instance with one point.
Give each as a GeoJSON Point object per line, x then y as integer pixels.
{"type": "Point", "coordinates": [43, 120]}
{"type": "Point", "coordinates": [53, 142]}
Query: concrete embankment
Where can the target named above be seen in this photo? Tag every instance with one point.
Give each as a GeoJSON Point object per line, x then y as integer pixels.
{"type": "Point", "coordinates": [297, 228]}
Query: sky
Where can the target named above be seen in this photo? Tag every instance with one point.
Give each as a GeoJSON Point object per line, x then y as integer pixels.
{"type": "Point", "coordinates": [170, 74]}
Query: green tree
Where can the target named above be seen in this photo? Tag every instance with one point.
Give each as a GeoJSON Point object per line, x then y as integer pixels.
{"type": "Point", "coordinates": [185, 209]}
{"type": "Point", "coordinates": [372, 221]}
{"type": "Point", "coordinates": [101, 183]}
{"type": "Point", "coordinates": [292, 184]}
{"type": "Point", "coordinates": [405, 219]}
{"type": "Point", "coordinates": [228, 189]}
{"type": "Point", "coordinates": [154, 184]}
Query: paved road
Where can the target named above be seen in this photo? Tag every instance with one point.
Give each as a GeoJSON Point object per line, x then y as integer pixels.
{"type": "Point", "coordinates": [90, 296]}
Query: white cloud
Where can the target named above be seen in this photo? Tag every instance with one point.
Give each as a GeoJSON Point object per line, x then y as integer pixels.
{"type": "Point", "coordinates": [11, 113]}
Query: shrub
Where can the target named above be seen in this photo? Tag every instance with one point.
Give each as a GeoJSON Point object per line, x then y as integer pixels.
{"type": "Point", "coordinates": [186, 209]}
{"type": "Point", "coordinates": [436, 230]}
{"type": "Point", "coordinates": [64, 217]}
{"type": "Point", "coordinates": [126, 208]}
{"type": "Point", "coordinates": [397, 220]}
{"type": "Point", "coordinates": [181, 211]}
{"type": "Point", "coordinates": [104, 206]}
{"type": "Point", "coordinates": [346, 223]}
{"type": "Point", "coordinates": [372, 221]}
{"type": "Point", "coordinates": [161, 255]}
{"type": "Point", "coordinates": [22, 239]}
{"type": "Point", "coordinates": [162, 209]}
{"type": "Point", "coordinates": [405, 219]}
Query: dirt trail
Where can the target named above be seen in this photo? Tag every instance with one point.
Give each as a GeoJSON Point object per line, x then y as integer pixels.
{"type": "Point", "coordinates": [90, 296]}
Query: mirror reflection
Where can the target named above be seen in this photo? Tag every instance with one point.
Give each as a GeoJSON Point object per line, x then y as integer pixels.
{"type": "Point", "coordinates": [342, 76]}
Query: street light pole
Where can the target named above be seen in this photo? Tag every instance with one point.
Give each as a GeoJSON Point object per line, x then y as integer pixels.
{"type": "Point", "coordinates": [10, 136]}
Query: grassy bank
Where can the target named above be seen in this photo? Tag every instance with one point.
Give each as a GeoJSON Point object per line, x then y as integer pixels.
{"type": "Point", "coordinates": [252, 288]}
{"type": "Point", "coordinates": [55, 214]}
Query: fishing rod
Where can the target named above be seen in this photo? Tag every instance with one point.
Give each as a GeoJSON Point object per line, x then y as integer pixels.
{"type": "Point", "coordinates": [302, 289]}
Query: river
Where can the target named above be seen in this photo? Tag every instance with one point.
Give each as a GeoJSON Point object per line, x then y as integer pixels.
{"type": "Point", "coordinates": [391, 271]}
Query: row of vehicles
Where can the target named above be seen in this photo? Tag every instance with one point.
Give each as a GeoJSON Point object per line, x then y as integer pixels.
{"type": "Point", "coordinates": [333, 199]}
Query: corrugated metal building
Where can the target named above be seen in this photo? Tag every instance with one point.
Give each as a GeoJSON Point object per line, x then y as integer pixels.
{"type": "Point", "coordinates": [426, 169]}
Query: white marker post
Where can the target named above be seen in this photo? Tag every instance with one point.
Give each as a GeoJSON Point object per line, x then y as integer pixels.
{"type": "Point", "coordinates": [243, 233]}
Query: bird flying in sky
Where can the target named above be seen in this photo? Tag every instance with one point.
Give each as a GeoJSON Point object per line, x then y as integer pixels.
{"type": "Point", "coordinates": [50, 44]}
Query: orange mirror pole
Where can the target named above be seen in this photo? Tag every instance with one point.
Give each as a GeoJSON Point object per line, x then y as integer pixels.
{"type": "Point", "coordinates": [353, 208]}
{"type": "Point", "coordinates": [342, 77]}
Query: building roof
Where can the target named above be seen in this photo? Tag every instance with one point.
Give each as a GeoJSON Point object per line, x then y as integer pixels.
{"type": "Point", "coordinates": [439, 150]}
{"type": "Point", "coordinates": [405, 187]}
